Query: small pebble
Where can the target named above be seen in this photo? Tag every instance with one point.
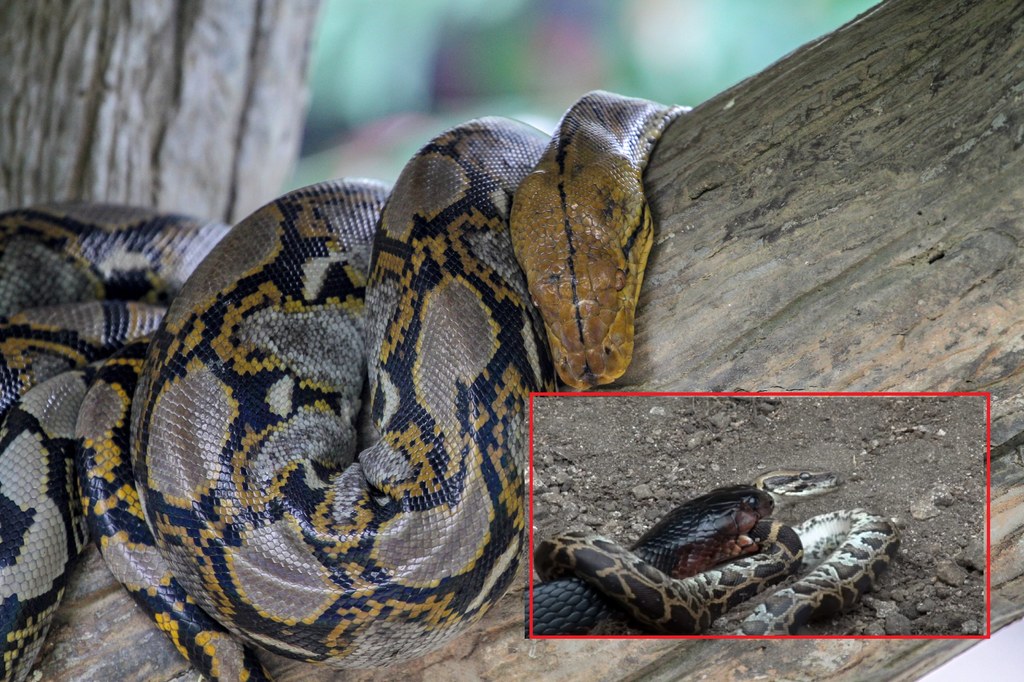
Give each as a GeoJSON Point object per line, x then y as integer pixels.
{"type": "Point", "coordinates": [973, 556]}
{"type": "Point", "coordinates": [642, 492]}
{"type": "Point", "coordinates": [949, 573]}
{"type": "Point", "coordinates": [971, 627]}
{"type": "Point", "coordinates": [897, 624]}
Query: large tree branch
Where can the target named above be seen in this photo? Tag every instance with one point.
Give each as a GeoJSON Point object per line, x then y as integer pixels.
{"type": "Point", "coordinates": [850, 218]}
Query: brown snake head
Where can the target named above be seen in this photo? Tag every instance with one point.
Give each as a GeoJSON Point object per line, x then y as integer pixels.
{"type": "Point", "coordinates": [582, 231]}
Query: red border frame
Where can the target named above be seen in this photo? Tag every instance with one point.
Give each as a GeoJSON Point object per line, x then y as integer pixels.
{"type": "Point", "coordinates": [780, 394]}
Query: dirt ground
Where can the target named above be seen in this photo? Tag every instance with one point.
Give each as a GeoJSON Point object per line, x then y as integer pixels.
{"type": "Point", "coordinates": [614, 465]}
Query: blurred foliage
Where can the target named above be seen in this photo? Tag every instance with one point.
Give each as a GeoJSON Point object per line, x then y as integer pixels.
{"type": "Point", "coordinates": [388, 74]}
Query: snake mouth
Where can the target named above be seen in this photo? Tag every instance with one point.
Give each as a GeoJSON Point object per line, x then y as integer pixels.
{"type": "Point", "coordinates": [746, 511]}
{"type": "Point", "coordinates": [590, 337]}
{"type": "Point", "coordinates": [741, 546]}
{"type": "Point", "coordinates": [745, 519]}
{"type": "Point", "coordinates": [593, 365]}
{"type": "Point", "coordinates": [736, 526]}
{"type": "Point", "coordinates": [744, 541]}
{"type": "Point", "coordinates": [726, 545]}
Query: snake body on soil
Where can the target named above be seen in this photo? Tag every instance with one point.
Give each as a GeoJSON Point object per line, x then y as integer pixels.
{"type": "Point", "coordinates": [670, 580]}
{"type": "Point", "coordinates": [588, 578]}
{"type": "Point", "coordinates": [217, 452]}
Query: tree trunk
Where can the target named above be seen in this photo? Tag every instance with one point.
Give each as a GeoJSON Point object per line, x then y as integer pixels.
{"type": "Point", "coordinates": [848, 219]}
{"type": "Point", "coordinates": [189, 106]}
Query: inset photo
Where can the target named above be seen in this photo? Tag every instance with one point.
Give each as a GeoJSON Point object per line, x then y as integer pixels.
{"type": "Point", "coordinates": [822, 515]}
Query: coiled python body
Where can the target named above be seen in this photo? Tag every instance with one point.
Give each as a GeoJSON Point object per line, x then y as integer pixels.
{"type": "Point", "coordinates": [672, 580]}
{"type": "Point", "coordinates": [408, 544]}
{"type": "Point", "coordinates": [241, 428]}
{"type": "Point", "coordinates": [845, 551]}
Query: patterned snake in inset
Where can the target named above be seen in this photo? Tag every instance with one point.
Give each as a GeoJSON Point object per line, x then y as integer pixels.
{"type": "Point", "coordinates": [673, 579]}
{"type": "Point", "coordinates": [254, 513]}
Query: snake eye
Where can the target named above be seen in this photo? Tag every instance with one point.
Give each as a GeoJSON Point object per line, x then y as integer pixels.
{"type": "Point", "coordinates": [620, 279]}
{"type": "Point", "coordinates": [805, 476]}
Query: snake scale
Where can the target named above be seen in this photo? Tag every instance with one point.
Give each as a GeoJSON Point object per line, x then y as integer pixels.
{"type": "Point", "coordinates": [675, 579]}
{"type": "Point", "coordinates": [216, 453]}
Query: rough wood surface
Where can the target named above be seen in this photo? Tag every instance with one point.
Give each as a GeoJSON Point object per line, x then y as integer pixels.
{"type": "Point", "coordinates": [848, 219]}
{"type": "Point", "coordinates": [190, 106]}
{"type": "Point", "coordinates": [851, 218]}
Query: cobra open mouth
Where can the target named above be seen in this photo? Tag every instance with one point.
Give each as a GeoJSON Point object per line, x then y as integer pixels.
{"type": "Point", "coordinates": [745, 519]}
{"type": "Point", "coordinates": [742, 545]}
{"type": "Point", "coordinates": [731, 537]}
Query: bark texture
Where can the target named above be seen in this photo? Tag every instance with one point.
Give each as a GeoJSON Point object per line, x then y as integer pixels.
{"type": "Point", "coordinates": [851, 218]}
{"type": "Point", "coordinates": [190, 106]}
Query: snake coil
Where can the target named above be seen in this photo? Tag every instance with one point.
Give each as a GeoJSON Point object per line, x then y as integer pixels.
{"type": "Point", "coordinates": [216, 454]}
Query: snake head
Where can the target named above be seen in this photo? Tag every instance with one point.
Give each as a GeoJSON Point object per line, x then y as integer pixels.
{"type": "Point", "coordinates": [583, 254]}
{"type": "Point", "coordinates": [709, 529]}
{"type": "Point", "coordinates": [785, 484]}
{"type": "Point", "coordinates": [754, 507]}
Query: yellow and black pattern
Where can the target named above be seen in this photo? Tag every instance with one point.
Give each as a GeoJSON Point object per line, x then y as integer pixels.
{"type": "Point", "coordinates": [57, 256]}
{"type": "Point", "coordinates": [88, 252]}
{"type": "Point", "coordinates": [42, 342]}
{"type": "Point", "coordinates": [40, 533]}
{"type": "Point", "coordinates": [402, 548]}
{"type": "Point", "coordinates": [113, 514]}
{"type": "Point", "coordinates": [267, 517]}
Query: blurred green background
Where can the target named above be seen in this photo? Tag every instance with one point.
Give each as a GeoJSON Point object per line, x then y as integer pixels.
{"type": "Point", "coordinates": [387, 75]}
